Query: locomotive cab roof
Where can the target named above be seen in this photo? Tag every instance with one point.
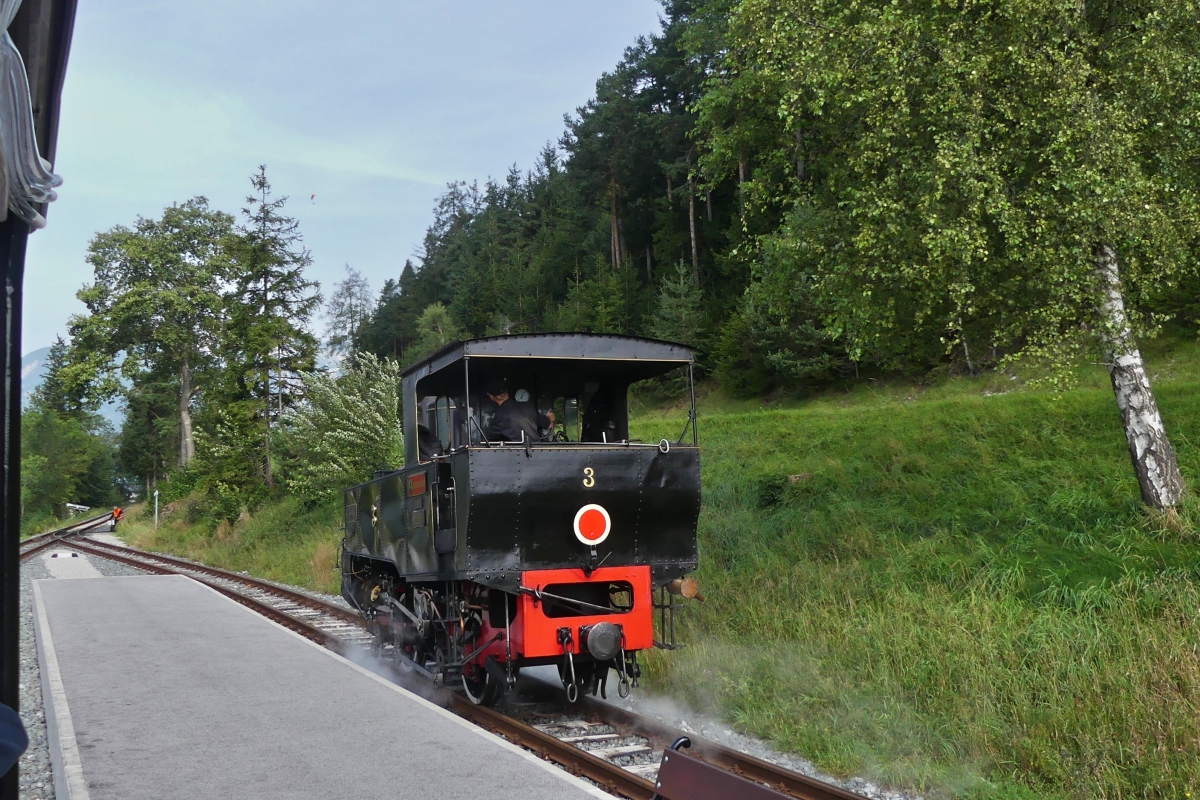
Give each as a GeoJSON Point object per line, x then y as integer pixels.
{"type": "Point", "coordinates": [574, 373]}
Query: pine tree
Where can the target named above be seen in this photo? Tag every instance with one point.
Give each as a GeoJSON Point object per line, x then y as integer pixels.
{"type": "Point", "coordinates": [680, 315]}
{"type": "Point", "coordinates": [266, 341]}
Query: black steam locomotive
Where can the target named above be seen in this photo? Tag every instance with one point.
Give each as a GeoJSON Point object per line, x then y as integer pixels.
{"type": "Point", "coordinates": [537, 533]}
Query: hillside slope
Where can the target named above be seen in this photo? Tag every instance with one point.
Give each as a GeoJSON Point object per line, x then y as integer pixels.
{"type": "Point", "coordinates": [956, 590]}
{"type": "Point", "coordinates": [952, 588]}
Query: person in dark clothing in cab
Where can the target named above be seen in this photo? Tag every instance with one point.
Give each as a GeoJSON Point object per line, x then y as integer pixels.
{"type": "Point", "coordinates": [514, 421]}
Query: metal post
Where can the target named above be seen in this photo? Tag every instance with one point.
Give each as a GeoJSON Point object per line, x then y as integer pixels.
{"type": "Point", "coordinates": [13, 234]}
{"type": "Point", "coordinates": [692, 387]}
{"type": "Point", "coordinates": [156, 509]}
{"type": "Point", "coordinates": [467, 389]}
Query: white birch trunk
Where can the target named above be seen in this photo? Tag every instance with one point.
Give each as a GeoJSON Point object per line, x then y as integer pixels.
{"type": "Point", "coordinates": [187, 440]}
{"type": "Point", "coordinates": [1150, 450]}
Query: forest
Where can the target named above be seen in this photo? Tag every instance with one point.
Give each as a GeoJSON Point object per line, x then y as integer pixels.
{"type": "Point", "coordinates": [810, 192]}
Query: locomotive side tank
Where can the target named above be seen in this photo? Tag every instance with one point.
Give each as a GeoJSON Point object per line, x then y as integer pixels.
{"type": "Point", "coordinates": [487, 552]}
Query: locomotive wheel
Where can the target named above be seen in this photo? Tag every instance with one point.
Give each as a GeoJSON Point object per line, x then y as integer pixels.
{"type": "Point", "coordinates": [481, 689]}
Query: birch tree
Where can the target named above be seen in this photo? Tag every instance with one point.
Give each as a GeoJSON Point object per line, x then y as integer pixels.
{"type": "Point", "coordinates": [347, 309]}
{"type": "Point", "coordinates": [975, 172]}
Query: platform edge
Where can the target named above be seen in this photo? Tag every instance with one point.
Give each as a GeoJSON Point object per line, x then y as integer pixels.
{"type": "Point", "coordinates": [66, 764]}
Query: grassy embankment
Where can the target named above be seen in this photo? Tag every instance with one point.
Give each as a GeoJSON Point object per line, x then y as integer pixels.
{"type": "Point", "coordinates": [960, 591]}
{"type": "Point", "coordinates": [285, 542]}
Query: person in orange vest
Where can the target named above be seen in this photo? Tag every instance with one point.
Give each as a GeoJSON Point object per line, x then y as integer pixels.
{"type": "Point", "coordinates": [117, 515]}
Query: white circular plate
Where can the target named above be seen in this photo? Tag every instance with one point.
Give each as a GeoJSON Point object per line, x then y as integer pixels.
{"type": "Point", "coordinates": [592, 524]}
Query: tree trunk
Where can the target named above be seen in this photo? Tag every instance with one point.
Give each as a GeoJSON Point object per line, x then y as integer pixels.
{"type": "Point", "coordinates": [649, 269]}
{"type": "Point", "coordinates": [614, 232]}
{"type": "Point", "coordinates": [708, 202]}
{"type": "Point", "coordinates": [692, 228]}
{"type": "Point", "coordinates": [267, 449]}
{"type": "Point", "coordinates": [187, 441]}
{"type": "Point", "coordinates": [801, 170]}
{"type": "Point", "coordinates": [670, 192]}
{"type": "Point", "coordinates": [741, 194]}
{"type": "Point", "coordinates": [1153, 457]}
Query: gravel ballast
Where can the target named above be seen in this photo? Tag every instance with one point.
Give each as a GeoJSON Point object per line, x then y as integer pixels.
{"type": "Point", "coordinates": [36, 780]}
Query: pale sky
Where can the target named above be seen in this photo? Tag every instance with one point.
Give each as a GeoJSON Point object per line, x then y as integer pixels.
{"type": "Point", "coordinates": [372, 105]}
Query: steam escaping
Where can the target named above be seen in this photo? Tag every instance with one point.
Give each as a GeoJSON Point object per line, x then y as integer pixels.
{"type": "Point", "coordinates": [389, 669]}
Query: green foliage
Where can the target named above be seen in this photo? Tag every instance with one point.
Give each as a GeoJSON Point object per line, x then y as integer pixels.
{"type": "Point", "coordinates": [347, 428]}
{"type": "Point", "coordinates": [265, 344]}
{"type": "Point", "coordinates": [391, 327]}
{"type": "Point", "coordinates": [194, 322]}
{"type": "Point", "coordinates": [606, 302]}
{"type": "Point", "coordinates": [679, 316]}
{"type": "Point", "coordinates": [154, 313]}
{"type": "Point", "coordinates": [962, 163]}
{"type": "Point", "coordinates": [229, 469]}
{"type": "Point", "coordinates": [579, 242]}
{"type": "Point", "coordinates": [64, 461]}
{"type": "Point", "coordinates": [435, 329]}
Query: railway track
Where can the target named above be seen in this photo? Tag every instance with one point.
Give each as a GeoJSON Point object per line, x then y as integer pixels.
{"type": "Point", "coordinates": [328, 624]}
{"type": "Point", "coordinates": [36, 544]}
{"type": "Point", "coordinates": [616, 749]}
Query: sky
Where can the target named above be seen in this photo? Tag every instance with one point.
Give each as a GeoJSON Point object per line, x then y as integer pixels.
{"type": "Point", "coordinates": [371, 105]}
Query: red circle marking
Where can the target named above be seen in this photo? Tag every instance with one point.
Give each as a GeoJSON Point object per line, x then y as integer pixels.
{"type": "Point", "coordinates": [592, 525]}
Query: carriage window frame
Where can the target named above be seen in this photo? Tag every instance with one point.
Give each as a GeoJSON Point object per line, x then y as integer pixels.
{"type": "Point", "coordinates": [443, 412]}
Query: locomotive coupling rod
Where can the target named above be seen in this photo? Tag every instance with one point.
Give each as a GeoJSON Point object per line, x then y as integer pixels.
{"type": "Point", "coordinates": [467, 658]}
{"type": "Point", "coordinates": [397, 604]}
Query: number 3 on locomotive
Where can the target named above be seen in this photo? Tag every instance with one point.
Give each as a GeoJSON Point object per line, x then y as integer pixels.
{"type": "Point", "coordinates": [589, 477]}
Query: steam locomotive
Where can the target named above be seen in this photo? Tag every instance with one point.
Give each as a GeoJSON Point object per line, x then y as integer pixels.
{"type": "Point", "coordinates": [561, 542]}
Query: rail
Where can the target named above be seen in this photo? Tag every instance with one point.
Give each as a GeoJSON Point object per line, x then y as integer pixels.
{"type": "Point", "coordinates": [35, 544]}
{"type": "Point", "coordinates": [343, 630]}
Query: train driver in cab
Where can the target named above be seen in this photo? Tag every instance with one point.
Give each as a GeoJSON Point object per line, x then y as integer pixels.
{"type": "Point", "coordinates": [515, 420]}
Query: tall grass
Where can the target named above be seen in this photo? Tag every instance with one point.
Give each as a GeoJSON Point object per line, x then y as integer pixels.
{"type": "Point", "coordinates": [286, 542]}
{"type": "Point", "coordinates": [950, 589]}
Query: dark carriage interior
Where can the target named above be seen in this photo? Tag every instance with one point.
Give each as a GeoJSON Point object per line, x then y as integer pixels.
{"type": "Point", "coordinates": [587, 396]}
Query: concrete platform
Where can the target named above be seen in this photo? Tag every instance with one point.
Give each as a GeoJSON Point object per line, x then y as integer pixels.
{"type": "Point", "coordinates": [160, 687]}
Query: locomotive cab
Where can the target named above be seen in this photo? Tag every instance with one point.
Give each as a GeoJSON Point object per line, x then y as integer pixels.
{"type": "Point", "coordinates": [501, 545]}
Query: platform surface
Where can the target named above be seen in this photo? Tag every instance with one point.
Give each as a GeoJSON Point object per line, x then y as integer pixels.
{"type": "Point", "coordinates": [174, 691]}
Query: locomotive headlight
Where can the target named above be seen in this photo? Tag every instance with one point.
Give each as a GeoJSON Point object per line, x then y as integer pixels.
{"type": "Point", "coordinates": [603, 640]}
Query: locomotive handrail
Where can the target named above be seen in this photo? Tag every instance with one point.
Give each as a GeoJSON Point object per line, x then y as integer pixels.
{"type": "Point", "coordinates": [538, 594]}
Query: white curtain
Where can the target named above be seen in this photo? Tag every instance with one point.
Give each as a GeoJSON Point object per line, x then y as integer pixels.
{"type": "Point", "coordinates": [26, 177]}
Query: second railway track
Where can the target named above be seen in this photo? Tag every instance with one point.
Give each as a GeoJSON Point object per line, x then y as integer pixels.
{"type": "Point", "coordinates": [615, 748]}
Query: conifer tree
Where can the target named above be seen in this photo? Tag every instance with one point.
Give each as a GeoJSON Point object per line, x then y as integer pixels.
{"type": "Point", "coordinates": [266, 341]}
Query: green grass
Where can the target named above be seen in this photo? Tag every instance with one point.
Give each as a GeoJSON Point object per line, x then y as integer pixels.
{"type": "Point", "coordinates": [959, 593]}
{"type": "Point", "coordinates": [283, 542]}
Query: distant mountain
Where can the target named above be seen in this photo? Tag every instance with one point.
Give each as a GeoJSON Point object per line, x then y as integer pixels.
{"type": "Point", "coordinates": [33, 372]}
